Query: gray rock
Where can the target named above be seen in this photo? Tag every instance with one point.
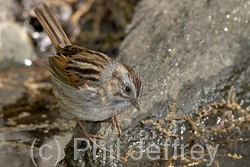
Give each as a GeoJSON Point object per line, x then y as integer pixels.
{"type": "Point", "coordinates": [187, 52]}
{"type": "Point", "coordinates": [16, 48]}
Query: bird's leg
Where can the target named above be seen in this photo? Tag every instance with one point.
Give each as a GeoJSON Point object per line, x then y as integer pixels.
{"type": "Point", "coordinates": [90, 138]}
{"type": "Point", "coordinates": [87, 135]}
{"type": "Point", "coordinates": [117, 124]}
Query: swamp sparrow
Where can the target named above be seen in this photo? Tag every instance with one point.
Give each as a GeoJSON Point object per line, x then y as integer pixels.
{"type": "Point", "coordinates": [88, 84]}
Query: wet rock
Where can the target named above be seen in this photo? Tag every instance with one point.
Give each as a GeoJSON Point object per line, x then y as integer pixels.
{"type": "Point", "coordinates": [16, 48]}
{"type": "Point", "coordinates": [11, 85]}
{"type": "Point", "coordinates": [191, 53]}
{"type": "Point", "coordinates": [29, 113]}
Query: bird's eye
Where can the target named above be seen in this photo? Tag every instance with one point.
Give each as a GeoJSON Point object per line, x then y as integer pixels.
{"type": "Point", "coordinates": [127, 89]}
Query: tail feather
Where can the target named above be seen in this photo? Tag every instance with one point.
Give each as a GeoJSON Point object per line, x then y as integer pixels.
{"type": "Point", "coordinates": [52, 26]}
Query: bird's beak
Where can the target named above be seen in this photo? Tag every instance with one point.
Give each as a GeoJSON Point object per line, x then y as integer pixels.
{"type": "Point", "coordinates": [136, 103]}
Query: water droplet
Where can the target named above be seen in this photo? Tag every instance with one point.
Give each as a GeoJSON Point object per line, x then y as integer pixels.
{"type": "Point", "coordinates": [27, 62]}
{"type": "Point", "coordinates": [18, 141]}
{"type": "Point", "coordinates": [218, 120]}
{"type": "Point", "coordinates": [35, 35]}
{"type": "Point", "coordinates": [225, 29]}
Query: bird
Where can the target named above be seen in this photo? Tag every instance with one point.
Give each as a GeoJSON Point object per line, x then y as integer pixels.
{"type": "Point", "coordinates": [88, 84]}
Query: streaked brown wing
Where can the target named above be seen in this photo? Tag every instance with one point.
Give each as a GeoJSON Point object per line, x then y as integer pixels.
{"type": "Point", "coordinates": [77, 66]}
{"type": "Point", "coordinates": [56, 65]}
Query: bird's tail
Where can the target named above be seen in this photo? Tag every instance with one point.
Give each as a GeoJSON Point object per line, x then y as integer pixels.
{"type": "Point", "coordinates": [51, 25]}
